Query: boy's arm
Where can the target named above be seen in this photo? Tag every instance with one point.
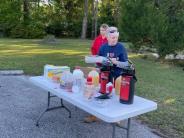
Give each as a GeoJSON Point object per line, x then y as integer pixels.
{"type": "Point", "coordinates": [94, 47]}
{"type": "Point", "coordinates": [122, 64]}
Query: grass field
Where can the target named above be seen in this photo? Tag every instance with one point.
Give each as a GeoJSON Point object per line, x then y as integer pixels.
{"type": "Point", "coordinates": [160, 82]}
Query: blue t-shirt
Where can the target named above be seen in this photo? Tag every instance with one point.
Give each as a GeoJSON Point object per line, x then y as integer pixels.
{"type": "Point", "coordinates": [118, 51]}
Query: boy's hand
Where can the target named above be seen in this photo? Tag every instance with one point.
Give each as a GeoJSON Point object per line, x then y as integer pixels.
{"type": "Point", "coordinates": [114, 61]}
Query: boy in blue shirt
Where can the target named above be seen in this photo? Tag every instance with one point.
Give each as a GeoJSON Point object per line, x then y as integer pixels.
{"type": "Point", "coordinates": [115, 51]}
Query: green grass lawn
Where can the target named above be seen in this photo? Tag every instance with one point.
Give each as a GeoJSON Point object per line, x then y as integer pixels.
{"type": "Point", "coordinates": [159, 82]}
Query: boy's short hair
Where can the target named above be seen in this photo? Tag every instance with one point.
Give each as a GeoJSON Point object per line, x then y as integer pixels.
{"type": "Point", "coordinates": [104, 26]}
{"type": "Point", "coordinates": [112, 30]}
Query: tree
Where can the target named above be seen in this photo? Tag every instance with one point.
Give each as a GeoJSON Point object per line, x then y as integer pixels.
{"type": "Point", "coordinates": [62, 18]}
{"type": "Point", "coordinates": [26, 11]}
{"type": "Point", "coordinates": [106, 12]}
{"type": "Point", "coordinates": [117, 11]}
{"type": "Point", "coordinates": [10, 15]}
{"type": "Point", "coordinates": [158, 22]}
{"type": "Point", "coordinates": [85, 19]}
{"type": "Point", "coordinates": [93, 20]}
{"type": "Point", "coordinates": [96, 17]}
{"type": "Point", "coordinates": [134, 21]}
{"type": "Point", "coordinates": [168, 31]}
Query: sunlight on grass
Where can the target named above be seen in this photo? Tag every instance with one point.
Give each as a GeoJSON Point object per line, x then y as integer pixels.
{"type": "Point", "coordinates": [131, 55]}
{"type": "Point", "coordinates": [169, 101]}
{"type": "Point", "coordinates": [25, 46]}
{"type": "Point", "coordinates": [164, 66]}
{"type": "Point", "coordinates": [8, 51]}
{"type": "Point", "coordinates": [51, 51]}
{"type": "Point", "coordinates": [42, 51]}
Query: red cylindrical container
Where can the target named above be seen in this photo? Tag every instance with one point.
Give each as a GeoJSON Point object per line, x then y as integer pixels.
{"type": "Point", "coordinates": [104, 79]}
{"type": "Point", "coordinates": [127, 89]}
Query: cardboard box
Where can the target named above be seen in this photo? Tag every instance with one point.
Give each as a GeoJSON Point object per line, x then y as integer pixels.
{"type": "Point", "coordinates": [50, 71]}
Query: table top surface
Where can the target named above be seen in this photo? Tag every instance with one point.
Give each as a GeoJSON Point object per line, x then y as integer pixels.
{"type": "Point", "coordinates": [114, 111]}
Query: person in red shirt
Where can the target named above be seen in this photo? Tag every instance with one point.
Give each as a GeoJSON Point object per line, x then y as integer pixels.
{"type": "Point", "coordinates": [99, 40]}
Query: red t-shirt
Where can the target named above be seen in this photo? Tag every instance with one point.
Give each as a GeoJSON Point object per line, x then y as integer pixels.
{"type": "Point", "coordinates": [97, 43]}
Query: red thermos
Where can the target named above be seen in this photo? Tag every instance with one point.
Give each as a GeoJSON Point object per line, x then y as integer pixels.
{"type": "Point", "coordinates": [104, 79]}
{"type": "Point", "coordinates": [127, 89]}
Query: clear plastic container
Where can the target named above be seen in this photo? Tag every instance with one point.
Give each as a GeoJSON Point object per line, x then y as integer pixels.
{"type": "Point", "coordinates": [78, 83]}
{"type": "Point", "coordinates": [67, 81]}
{"type": "Point", "coordinates": [89, 89]}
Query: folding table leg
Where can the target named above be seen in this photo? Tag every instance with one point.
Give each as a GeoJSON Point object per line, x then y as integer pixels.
{"type": "Point", "coordinates": [48, 100]}
{"type": "Point", "coordinates": [75, 108]}
{"type": "Point", "coordinates": [63, 106]}
{"type": "Point", "coordinates": [114, 129]}
{"type": "Point", "coordinates": [48, 104]}
{"type": "Point", "coordinates": [125, 128]}
{"type": "Point", "coordinates": [128, 128]}
{"type": "Point", "coordinates": [37, 122]}
{"type": "Point", "coordinates": [53, 108]}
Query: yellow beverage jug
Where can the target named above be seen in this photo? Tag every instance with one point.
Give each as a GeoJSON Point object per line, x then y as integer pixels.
{"type": "Point", "coordinates": [95, 77]}
{"type": "Point", "coordinates": [118, 85]}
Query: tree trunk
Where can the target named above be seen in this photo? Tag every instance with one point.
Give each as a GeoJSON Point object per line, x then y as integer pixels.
{"type": "Point", "coordinates": [85, 20]}
{"type": "Point", "coordinates": [93, 20]}
{"type": "Point", "coordinates": [38, 3]}
{"type": "Point", "coordinates": [96, 17]}
{"type": "Point", "coordinates": [157, 3]}
{"type": "Point", "coordinates": [26, 11]}
{"type": "Point", "coordinates": [117, 12]}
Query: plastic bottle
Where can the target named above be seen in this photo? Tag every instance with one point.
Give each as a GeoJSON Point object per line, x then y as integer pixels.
{"type": "Point", "coordinates": [95, 77]}
{"type": "Point", "coordinates": [118, 85]}
{"type": "Point", "coordinates": [89, 89]}
{"type": "Point", "coordinates": [67, 81]}
{"type": "Point", "coordinates": [78, 84]}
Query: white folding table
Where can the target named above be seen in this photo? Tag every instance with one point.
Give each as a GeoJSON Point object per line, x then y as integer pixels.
{"type": "Point", "coordinates": [114, 112]}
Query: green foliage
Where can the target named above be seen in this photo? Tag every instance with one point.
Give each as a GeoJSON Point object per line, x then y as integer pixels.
{"type": "Point", "coordinates": [27, 31]}
{"type": "Point", "coordinates": [10, 15]}
{"type": "Point", "coordinates": [65, 18]}
{"type": "Point", "coordinates": [162, 25]}
{"type": "Point", "coordinates": [167, 29]}
{"type": "Point", "coordinates": [107, 13]}
{"type": "Point", "coordinates": [59, 18]}
{"type": "Point", "coordinates": [11, 20]}
{"type": "Point", "coordinates": [134, 21]}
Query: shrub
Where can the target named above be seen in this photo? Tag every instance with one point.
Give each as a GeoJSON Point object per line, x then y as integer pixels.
{"type": "Point", "coordinates": [27, 31]}
{"type": "Point", "coordinates": [162, 26]}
